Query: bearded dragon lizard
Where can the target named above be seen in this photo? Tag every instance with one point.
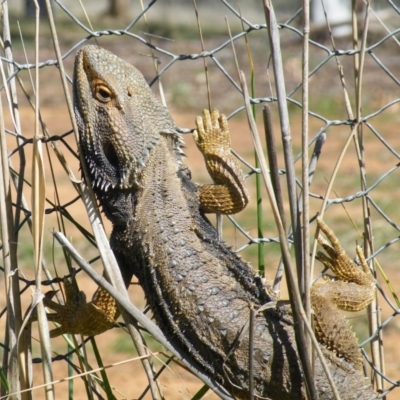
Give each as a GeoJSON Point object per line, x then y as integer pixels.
{"type": "Point", "coordinates": [200, 292]}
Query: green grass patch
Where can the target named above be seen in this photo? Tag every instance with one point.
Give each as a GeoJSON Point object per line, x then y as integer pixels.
{"type": "Point", "coordinates": [125, 345]}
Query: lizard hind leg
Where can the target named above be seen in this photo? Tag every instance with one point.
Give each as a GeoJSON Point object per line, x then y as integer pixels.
{"type": "Point", "coordinates": [340, 263]}
{"type": "Point", "coordinates": [353, 289]}
{"type": "Point", "coordinates": [331, 327]}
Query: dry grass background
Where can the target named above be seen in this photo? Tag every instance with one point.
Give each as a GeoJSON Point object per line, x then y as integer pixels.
{"type": "Point", "coordinates": [186, 93]}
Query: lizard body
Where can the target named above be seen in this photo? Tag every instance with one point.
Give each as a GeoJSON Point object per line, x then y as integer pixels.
{"type": "Point", "coordinates": [200, 292]}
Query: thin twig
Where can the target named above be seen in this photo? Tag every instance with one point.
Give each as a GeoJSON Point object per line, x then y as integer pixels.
{"type": "Point", "coordinates": [313, 165]}
{"type": "Point", "coordinates": [299, 316]}
{"type": "Point", "coordinates": [251, 354]}
{"type": "Point", "coordinates": [142, 319]}
{"type": "Point", "coordinates": [273, 161]}
{"type": "Point", "coordinates": [373, 308]}
{"type": "Point", "coordinates": [38, 206]}
{"type": "Point", "coordinates": [129, 360]}
{"type": "Point", "coordinates": [305, 283]}
{"type": "Point", "coordinates": [10, 356]}
{"type": "Point", "coordinates": [107, 256]}
{"type": "Point", "coordinates": [15, 359]}
{"type": "Point", "coordinates": [259, 193]}
{"type": "Point", "coordinates": [285, 131]}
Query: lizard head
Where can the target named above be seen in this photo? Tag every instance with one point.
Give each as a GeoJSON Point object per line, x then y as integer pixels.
{"type": "Point", "coordinates": [119, 119]}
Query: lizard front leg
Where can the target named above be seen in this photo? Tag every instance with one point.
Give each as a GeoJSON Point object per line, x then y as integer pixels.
{"type": "Point", "coordinates": [228, 194]}
{"type": "Point", "coordinates": [77, 316]}
{"type": "Point", "coordinates": [353, 290]}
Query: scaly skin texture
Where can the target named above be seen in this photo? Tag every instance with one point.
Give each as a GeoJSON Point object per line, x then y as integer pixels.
{"type": "Point", "coordinates": [199, 291]}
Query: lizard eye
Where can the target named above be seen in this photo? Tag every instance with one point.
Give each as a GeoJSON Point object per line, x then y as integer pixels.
{"type": "Point", "coordinates": [103, 94]}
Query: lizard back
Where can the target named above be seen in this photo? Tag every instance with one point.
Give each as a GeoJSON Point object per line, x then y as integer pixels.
{"type": "Point", "coordinates": [199, 291]}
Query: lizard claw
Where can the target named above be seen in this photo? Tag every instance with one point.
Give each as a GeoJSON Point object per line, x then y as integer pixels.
{"type": "Point", "coordinates": [212, 134]}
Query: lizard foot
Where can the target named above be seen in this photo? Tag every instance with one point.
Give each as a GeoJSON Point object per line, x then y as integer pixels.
{"type": "Point", "coordinates": [77, 316]}
{"type": "Point", "coordinates": [347, 270]}
{"type": "Point", "coordinates": [228, 194]}
{"type": "Point", "coordinates": [212, 134]}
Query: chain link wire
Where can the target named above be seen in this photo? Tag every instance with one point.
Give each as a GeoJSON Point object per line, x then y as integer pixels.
{"type": "Point", "coordinates": [175, 51]}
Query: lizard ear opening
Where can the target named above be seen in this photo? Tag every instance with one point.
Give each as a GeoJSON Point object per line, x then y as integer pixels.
{"type": "Point", "coordinates": [111, 155]}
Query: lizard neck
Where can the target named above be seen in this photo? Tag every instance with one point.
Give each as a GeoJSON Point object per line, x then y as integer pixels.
{"type": "Point", "coordinates": [163, 208]}
{"type": "Point", "coordinates": [162, 168]}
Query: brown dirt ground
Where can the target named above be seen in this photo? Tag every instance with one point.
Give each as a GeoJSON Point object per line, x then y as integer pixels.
{"type": "Point", "coordinates": [128, 379]}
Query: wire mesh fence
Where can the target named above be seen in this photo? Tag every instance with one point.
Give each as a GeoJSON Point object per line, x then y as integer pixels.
{"type": "Point", "coordinates": [352, 107]}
